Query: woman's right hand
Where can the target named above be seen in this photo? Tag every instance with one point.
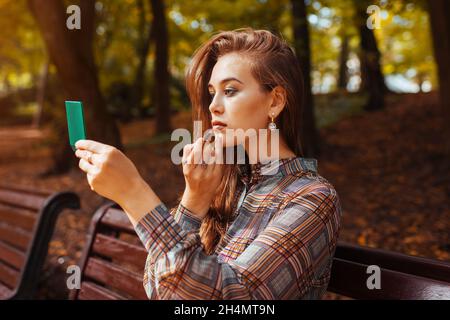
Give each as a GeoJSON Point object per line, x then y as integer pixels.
{"type": "Point", "coordinates": [202, 180]}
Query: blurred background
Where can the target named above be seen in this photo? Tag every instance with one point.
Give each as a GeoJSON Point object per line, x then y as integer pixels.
{"type": "Point", "coordinates": [377, 112]}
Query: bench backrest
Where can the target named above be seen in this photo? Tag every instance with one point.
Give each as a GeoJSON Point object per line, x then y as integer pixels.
{"type": "Point", "coordinates": [402, 277]}
{"type": "Point", "coordinates": [27, 220]}
{"type": "Point", "coordinates": [113, 261]}
{"type": "Point", "coordinates": [114, 258]}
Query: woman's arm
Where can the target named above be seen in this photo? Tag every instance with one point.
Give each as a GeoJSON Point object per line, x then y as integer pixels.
{"type": "Point", "coordinates": [144, 200]}
{"type": "Point", "coordinates": [281, 263]}
{"type": "Point", "coordinates": [112, 175]}
{"type": "Point", "coordinates": [278, 264]}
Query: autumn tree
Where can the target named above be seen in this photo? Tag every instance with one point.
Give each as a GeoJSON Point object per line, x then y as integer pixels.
{"type": "Point", "coordinates": [345, 14]}
{"type": "Point", "coordinates": [405, 41]}
{"type": "Point", "coordinates": [372, 79]}
{"type": "Point", "coordinates": [440, 25]}
{"type": "Point", "coordinates": [300, 28]}
{"type": "Point", "coordinates": [21, 51]}
{"type": "Point", "coordinates": [146, 34]}
{"type": "Point", "coordinates": [71, 51]}
{"type": "Point", "coordinates": [161, 69]}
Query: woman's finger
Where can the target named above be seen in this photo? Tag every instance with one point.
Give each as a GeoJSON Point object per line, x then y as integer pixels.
{"type": "Point", "coordinates": [196, 154]}
{"type": "Point", "coordinates": [190, 157]}
{"type": "Point", "coordinates": [218, 150]}
{"type": "Point", "coordinates": [91, 145]}
{"type": "Point", "coordinates": [217, 168]}
{"type": "Point", "coordinates": [210, 170]}
{"type": "Point", "coordinates": [90, 179]}
{"type": "Point", "coordinates": [208, 153]}
{"type": "Point", "coordinates": [86, 155]}
{"type": "Point", "coordinates": [86, 166]}
{"type": "Point", "coordinates": [187, 149]}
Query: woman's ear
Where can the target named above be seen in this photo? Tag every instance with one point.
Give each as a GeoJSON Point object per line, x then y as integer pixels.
{"type": "Point", "coordinates": [278, 101]}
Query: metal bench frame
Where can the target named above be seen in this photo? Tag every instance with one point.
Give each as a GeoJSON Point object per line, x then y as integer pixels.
{"type": "Point", "coordinates": [48, 206]}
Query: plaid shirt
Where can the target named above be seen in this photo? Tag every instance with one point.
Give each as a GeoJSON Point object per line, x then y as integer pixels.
{"type": "Point", "coordinates": [280, 244]}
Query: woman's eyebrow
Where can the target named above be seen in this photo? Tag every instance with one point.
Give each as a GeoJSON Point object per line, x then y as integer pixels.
{"type": "Point", "coordinates": [226, 80]}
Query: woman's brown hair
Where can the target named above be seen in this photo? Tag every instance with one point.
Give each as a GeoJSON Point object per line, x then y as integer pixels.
{"type": "Point", "coordinates": [273, 63]}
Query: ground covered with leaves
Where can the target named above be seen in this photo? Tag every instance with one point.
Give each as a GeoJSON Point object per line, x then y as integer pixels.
{"type": "Point", "coordinates": [387, 166]}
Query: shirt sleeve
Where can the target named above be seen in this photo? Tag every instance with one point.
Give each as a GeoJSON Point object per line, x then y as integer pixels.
{"type": "Point", "coordinates": [283, 262]}
{"type": "Point", "coordinates": [185, 218]}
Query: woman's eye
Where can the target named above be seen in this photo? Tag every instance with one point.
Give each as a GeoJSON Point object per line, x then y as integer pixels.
{"type": "Point", "coordinates": [229, 92]}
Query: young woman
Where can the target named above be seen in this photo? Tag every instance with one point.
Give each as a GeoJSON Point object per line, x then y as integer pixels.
{"type": "Point", "coordinates": [238, 231]}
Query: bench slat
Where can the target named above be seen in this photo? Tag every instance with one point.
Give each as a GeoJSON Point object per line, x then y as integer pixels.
{"type": "Point", "coordinates": [14, 236]}
{"type": "Point", "coordinates": [17, 217]}
{"type": "Point", "coordinates": [349, 275]}
{"type": "Point", "coordinates": [350, 279]}
{"type": "Point", "coordinates": [30, 189]}
{"type": "Point", "coordinates": [8, 275]}
{"type": "Point", "coordinates": [5, 292]}
{"type": "Point", "coordinates": [92, 291]}
{"type": "Point", "coordinates": [28, 201]}
{"type": "Point", "coordinates": [422, 267]}
{"type": "Point", "coordinates": [116, 277]}
{"type": "Point", "coordinates": [118, 219]}
{"type": "Point", "coordinates": [120, 251]}
{"type": "Point", "coordinates": [11, 255]}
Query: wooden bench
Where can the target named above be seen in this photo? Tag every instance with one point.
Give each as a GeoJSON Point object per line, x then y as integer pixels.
{"type": "Point", "coordinates": [27, 220]}
{"type": "Point", "coordinates": [403, 277]}
{"type": "Point", "coordinates": [113, 262]}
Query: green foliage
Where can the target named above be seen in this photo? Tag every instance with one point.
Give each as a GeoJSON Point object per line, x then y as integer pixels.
{"type": "Point", "coordinates": [404, 40]}
{"type": "Point", "coordinates": [21, 50]}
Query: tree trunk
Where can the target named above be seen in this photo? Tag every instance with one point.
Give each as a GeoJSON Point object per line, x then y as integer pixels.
{"type": "Point", "coordinates": [343, 70]}
{"type": "Point", "coordinates": [440, 26]}
{"type": "Point", "coordinates": [372, 79]}
{"type": "Point", "coordinates": [420, 80]}
{"type": "Point", "coordinates": [142, 48]}
{"type": "Point", "coordinates": [72, 54]}
{"type": "Point", "coordinates": [161, 88]}
{"type": "Point", "coordinates": [40, 96]}
{"type": "Point", "coordinates": [309, 135]}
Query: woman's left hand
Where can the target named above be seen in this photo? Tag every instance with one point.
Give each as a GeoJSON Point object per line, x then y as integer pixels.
{"type": "Point", "coordinates": [109, 172]}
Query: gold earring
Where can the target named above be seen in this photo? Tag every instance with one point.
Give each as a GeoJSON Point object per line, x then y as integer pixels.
{"type": "Point", "coordinates": [272, 125]}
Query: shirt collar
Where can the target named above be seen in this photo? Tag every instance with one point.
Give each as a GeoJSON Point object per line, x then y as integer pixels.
{"type": "Point", "coordinates": [254, 173]}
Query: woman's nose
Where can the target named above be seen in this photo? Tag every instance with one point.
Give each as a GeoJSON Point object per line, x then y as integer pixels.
{"type": "Point", "coordinates": [216, 107]}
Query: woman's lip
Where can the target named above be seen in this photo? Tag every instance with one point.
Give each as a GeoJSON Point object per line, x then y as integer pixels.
{"type": "Point", "coordinates": [218, 127]}
{"type": "Point", "coordinates": [218, 123]}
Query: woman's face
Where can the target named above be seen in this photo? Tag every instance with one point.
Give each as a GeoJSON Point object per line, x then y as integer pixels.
{"type": "Point", "coordinates": [237, 99]}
